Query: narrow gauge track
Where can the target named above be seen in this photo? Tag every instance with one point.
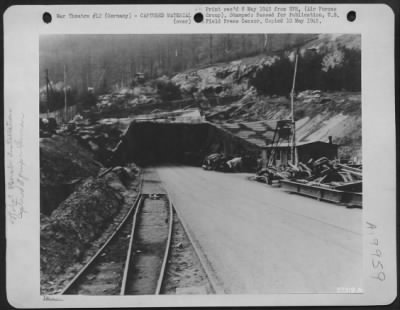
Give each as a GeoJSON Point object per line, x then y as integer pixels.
{"type": "Point", "coordinates": [133, 260]}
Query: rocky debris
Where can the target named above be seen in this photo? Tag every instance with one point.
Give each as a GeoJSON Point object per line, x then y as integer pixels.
{"type": "Point", "coordinates": [223, 80]}
{"type": "Point", "coordinates": [223, 93]}
{"type": "Point", "coordinates": [66, 269]}
{"type": "Point", "coordinates": [77, 221]}
{"type": "Point", "coordinates": [309, 103]}
{"type": "Point", "coordinates": [233, 110]}
{"type": "Point", "coordinates": [117, 100]}
{"type": "Point", "coordinates": [124, 101]}
{"type": "Point", "coordinates": [63, 164]}
{"type": "Point", "coordinates": [321, 172]}
{"type": "Point", "coordinates": [82, 218]}
{"type": "Point", "coordinates": [117, 175]}
{"type": "Point", "coordinates": [100, 137]}
{"type": "Point", "coordinates": [318, 115]}
{"type": "Point", "coordinates": [339, 112]}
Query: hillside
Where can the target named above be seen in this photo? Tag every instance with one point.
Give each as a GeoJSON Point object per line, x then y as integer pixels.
{"type": "Point", "coordinates": [102, 61]}
{"type": "Point", "coordinates": [244, 85]}
{"type": "Point", "coordinates": [231, 92]}
{"type": "Point", "coordinates": [318, 115]}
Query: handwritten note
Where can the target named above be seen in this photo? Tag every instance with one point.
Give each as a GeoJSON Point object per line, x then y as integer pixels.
{"type": "Point", "coordinates": [15, 165]}
{"type": "Point", "coordinates": [376, 254]}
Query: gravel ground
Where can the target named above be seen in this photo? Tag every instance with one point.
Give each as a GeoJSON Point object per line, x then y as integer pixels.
{"type": "Point", "coordinates": [184, 272]}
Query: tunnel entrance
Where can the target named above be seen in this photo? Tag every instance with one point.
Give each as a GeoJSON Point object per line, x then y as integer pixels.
{"type": "Point", "coordinates": [154, 143]}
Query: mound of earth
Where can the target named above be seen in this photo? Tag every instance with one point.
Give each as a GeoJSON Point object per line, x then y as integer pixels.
{"type": "Point", "coordinates": [63, 164]}
{"type": "Point", "coordinates": [80, 219]}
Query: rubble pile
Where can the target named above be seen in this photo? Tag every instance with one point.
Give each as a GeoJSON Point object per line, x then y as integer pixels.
{"type": "Point", "coordinates": [82, 218]}
{"type": "Point", "coordinates": [308, 103]}
{"type": "Point", "coordinates": [79, 199]}
{"type": "Point", "coordinates": [157, 95]}
{"type": "Point", "coordinates": [63, 164]}
{"type": "Point", "coordinates": [101, 136]}
{"type": "Point", "coordinates": [321, 172]}
{"type": "Point", "coordinates": [318, 115]}
{"type": "Point", "coordinates": [224, 80]}
{"type": "Point", "coordinates": [126, 98]}
{"type": "Point", "coordinates": [223, 112]}
{"type": "Point", "coordinates": [123, 102]}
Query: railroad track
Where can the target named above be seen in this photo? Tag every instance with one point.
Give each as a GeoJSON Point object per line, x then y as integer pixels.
{"type": "Point", "coordinates": [133, 260]}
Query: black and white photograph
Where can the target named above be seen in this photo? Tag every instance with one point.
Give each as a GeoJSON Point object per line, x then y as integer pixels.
{"type": "Point", "coordinates": [200, 155]}
{"type": "Point", "coordinates": [200, 164]}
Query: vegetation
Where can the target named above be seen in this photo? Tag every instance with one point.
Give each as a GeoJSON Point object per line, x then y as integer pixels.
{"type": "Point", "coordinates": [168, 90]}
{"type": "Point", "coordinates": [101, 61]}
{"type": "Point", "coordinates": [334, 71]}
{"type": "Point", "coordinates": [56, 99]}
{"type": "Point", "coordinates": [87, 99]}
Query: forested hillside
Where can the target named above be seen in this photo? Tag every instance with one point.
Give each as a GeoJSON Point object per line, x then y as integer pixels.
{"type": "Point", "coordinates": [101, 61]}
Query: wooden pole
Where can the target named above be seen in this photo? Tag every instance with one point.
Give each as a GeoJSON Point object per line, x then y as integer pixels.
{"type": "Point", "coordinates": [265, 45]}
{"type": "Point", "coordinates": [47, 93]}
{"type": "Point", "coordinates": [211, 48]}
{"type": "Point", "coordinates": [294, 149]}
{"type": "Point", "coordinates": [65, 93]}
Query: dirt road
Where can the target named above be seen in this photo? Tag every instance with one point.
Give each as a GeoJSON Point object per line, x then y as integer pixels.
{"type": "Point", "coordinates": [260, 239]}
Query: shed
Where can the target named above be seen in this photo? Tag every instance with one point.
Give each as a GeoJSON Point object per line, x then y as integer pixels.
{"type": "Point", "coordinates": [260, 134]}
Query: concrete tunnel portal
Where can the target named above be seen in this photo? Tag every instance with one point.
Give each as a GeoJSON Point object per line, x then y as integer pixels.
{"type": "Point", "coordinates": [155, 143]}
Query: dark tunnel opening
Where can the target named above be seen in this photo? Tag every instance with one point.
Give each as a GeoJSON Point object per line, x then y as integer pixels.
{"type": "Point", "coordinates": [153, 143]}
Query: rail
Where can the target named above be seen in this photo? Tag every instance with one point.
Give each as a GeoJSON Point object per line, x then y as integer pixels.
{"type": "Point", "coordinates": [134, 251]}
{"type": "Point", "coordinates": [72, 283]}
{"type": "Point", "coordinates": [131, 280]}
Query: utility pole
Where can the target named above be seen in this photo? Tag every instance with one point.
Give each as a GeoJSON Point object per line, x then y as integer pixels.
{"type": "Point", "coordinates": [293, 149]}
{"type": "Point", "coordinates": [265, 44]}
{"type": "Point", "coordinates": [182, 64]}
{"type": "Point", "coordinates": [47, 93]}
{"type": "Point", "coordinates": [211, 48]}
{"type": "Point", "coordinates": [65, 93]}
{"type": "Point", "coordinates": [168, 62]}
